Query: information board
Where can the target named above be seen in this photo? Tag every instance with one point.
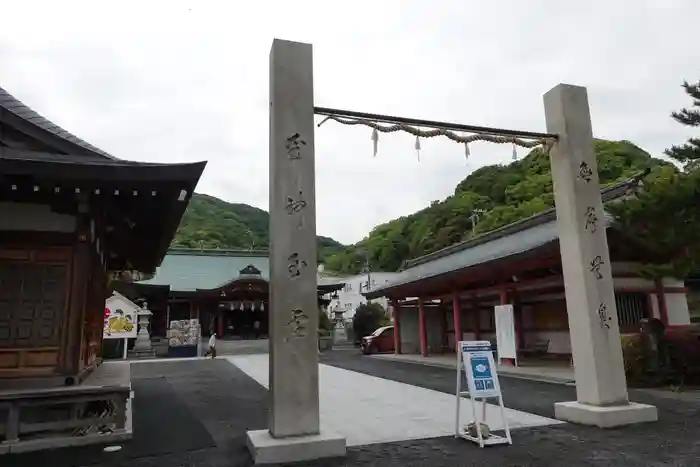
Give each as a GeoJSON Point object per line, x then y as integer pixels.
{"type": "Point", "coordinates": [120, 319]}
{"type": "Point", "coordinates": [505, 332]}
{"type": "Point", "coordinates": [476, 358]}
{"type": "Point", "coordinates": [480, 368]}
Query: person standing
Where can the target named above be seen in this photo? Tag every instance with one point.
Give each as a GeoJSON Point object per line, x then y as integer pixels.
{"type": "Point", "coordinates": [256, 329]}
{"type": "Point", "coordinates": [212, 346]}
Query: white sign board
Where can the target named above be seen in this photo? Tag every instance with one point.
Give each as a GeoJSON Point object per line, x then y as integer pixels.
{"type": "Point", "coordinates": [120, 320]}
{"type": "Point", "coordinates": [482, 381]}
{"type": "Point", "coordinates": [505, 332]}
{"type": "Point", "coordinates": [480, 368]}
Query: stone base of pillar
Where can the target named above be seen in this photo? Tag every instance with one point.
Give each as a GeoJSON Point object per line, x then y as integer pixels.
{"type": "Point", "coordinates": [268, 450]}
{"type": "Point", "coordinates": [141, 353]}
{"type": "Point", "coordinates": [605, 417]}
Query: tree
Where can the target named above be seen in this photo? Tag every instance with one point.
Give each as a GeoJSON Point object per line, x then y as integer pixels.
{"type": "Point", "coordinates": [501, 193]}
{"type": "Point", "coordinates": [689, 153]}
{"type": "Point", "coordinates": [210, 222]}
{"type": "Point", "coordinates": [368, 317]}
{"type": "Point", "coordinates": [663, 220]}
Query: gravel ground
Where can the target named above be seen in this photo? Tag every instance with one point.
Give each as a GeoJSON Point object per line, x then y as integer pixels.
{"type": "Point", "coordinates": [228, 403]}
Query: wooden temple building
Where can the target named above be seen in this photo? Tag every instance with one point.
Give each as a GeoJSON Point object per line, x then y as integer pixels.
{"type": "Point", "coordinates": [449, 295]}
{"type": "Point", "coordinates": [226, 290]}
{"type": "Point", "coordinates": [72, 217]}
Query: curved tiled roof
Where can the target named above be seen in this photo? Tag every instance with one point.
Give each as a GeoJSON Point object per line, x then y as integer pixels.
{"type": "Point", "coordinates": [15, 106]}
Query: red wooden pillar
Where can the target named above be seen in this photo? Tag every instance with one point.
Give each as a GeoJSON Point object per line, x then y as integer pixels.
{"type": "Point", "coordinates": [504, 296]}
{"type": "Point", "coordinates": [661, 297]}
{"type": "Point", "coordinates": [443, 327]}
{"type": "Point", "coordinates": [519, 326]}
{"type": "Point", "coordinates": [397, 327]}
{"type": "Point", "coordinates": [422, 328]}
{"type": "Point", "coordinates": [457, 320]}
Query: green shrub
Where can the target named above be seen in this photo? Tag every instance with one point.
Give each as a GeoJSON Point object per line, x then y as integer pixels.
{"type": "Point", "coordinates": [368, 317]}
{"type": "Point", "coordinates": [683, 346]}
{"type": "Point", "coordinates": [633, 353]}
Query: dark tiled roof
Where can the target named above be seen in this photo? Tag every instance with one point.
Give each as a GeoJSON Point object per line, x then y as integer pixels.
{"type": "Point", "coordinates": [519, 237]}
{"type": "Point", "coordinates": [15, 106]}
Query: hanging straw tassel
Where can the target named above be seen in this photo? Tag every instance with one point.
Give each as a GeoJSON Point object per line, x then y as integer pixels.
{"type": "Point", "coordinates": [515, 153]}
{"type": "Point", "coordinates": [466, 151]}
{"type": "Point", "coordinates": [418, 148]}
{"type": "Point", "coordinates": [375, 141]}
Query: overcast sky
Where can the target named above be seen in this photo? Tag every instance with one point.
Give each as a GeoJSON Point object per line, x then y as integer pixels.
{"type": "Point", "coordinates": [176, 81]}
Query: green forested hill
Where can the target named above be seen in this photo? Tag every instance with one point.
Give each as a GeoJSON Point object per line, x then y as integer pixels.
{"type": "Point", "coordinates": [212, 223]}
{"type": "Point", "coordinates": [503, 194]}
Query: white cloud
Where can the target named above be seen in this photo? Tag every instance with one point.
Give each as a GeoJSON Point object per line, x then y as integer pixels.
{"type": "Point", "coordinates": [182, 81]}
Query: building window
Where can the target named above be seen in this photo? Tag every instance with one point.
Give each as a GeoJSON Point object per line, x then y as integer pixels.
{"type": "Point", "coordinates": [631, 308]}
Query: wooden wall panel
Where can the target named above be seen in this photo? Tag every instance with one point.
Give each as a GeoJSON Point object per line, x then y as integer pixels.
{"type": "Point", "coordinates": [549, 316]}
{"type": "Point", "coordinates": [33, 302]}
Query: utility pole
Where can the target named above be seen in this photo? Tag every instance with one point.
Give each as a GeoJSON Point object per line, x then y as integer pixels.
{"type": "Point", "coordinates": [367, 269]}
{"type": "Point", "coordinates": [474, 216]}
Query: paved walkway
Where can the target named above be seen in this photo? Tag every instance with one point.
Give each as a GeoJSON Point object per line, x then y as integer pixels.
{"type": "Point", "coordinates": [368, 410]}
{"type": "Point", "coordinates": [194, 413]}
{"type": "Point", "coordinates": [553, 372]}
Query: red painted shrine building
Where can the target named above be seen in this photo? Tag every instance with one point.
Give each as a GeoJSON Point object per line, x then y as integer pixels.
{"type": "Point", "coordinates": [226, 290]}
{"type": "Point", "coordinates": [71, 218]}
{"type": "Point", "coordinates": [456, 288]}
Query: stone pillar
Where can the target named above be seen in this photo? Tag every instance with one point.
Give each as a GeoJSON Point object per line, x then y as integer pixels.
{"type": "Point", "coordinates": [590, 298]}
{"type": "Point", "coordinates": [422, 328]}
{"type": "Point", "coordinates": [457, 319]}
{"type": "Point", "coordinates": [294, 421]}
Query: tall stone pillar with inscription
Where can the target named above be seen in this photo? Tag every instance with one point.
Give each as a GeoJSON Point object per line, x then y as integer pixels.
{"type": "Point", "coordinates": [601, 388]}
{"type": "Point", "coordinates": [294, 424]}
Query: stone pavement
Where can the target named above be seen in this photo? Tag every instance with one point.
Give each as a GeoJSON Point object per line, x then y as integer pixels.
{"type": "Point", "coordinates": [365, 409]}
{"type": "Point", "coordinates": [225, 402]}
{"type": "Point", "coordinates": [239, 346]}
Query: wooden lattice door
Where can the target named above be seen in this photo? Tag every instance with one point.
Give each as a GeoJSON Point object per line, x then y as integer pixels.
{"type": "Point", "coordinates": [32, 304]}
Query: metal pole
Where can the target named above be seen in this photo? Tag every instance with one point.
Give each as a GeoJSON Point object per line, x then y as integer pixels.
{"type": "Point", "coordinates": [126, 347]}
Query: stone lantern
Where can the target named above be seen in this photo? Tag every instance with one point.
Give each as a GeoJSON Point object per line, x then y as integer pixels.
{"type": "Point", "coordinates": [142, 346]}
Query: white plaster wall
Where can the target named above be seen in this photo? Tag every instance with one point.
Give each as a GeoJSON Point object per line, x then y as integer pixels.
{"type": "Point", "coordinates": [677, 309]}
{"type": "Point", "coordinates": [351, 297]}
{"type": "Point", "coordinates": [676, 304]}
{"type": "Point", "coordinates": [671, 282]}
{"type": "Point", "coordinates": [34, 217]}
